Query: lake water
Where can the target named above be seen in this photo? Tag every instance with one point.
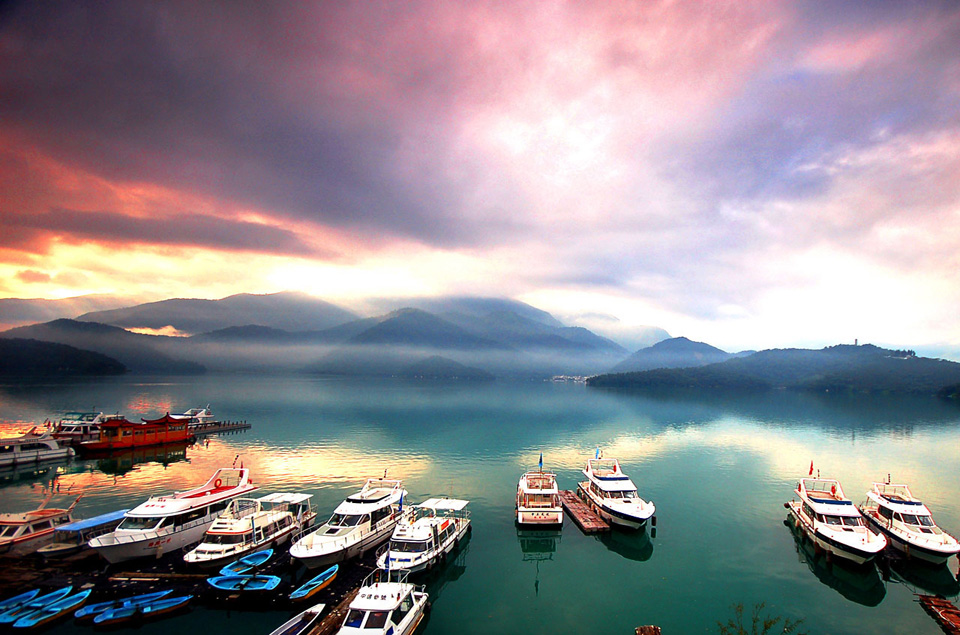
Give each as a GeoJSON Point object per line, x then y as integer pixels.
{"type": "Point", "coordinates": [718, 468]}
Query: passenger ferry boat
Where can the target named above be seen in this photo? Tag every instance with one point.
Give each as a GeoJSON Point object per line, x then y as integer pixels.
{"type": "Point", "coordinates": [425, 535]}
{"type": "Point", "coordinates": [359, 523]}
{"type": "Point", "coordinates": [119, 434]}
{"type": "Point", "coordinates": [249, 524]}
{"type": "Point", "coordinates": [73, 537]}
{"type": "Point", "coordinates": [77, 427]}
{"type": "Point", "coordinates": [907, 523]}
{"type": "Point", "coordinates": [32, 447]}
{"type": "Point", "coordinates": [167, 523]}
{"type": "Point", "coordinates": [386, 603]}
{"type": "Point", "coordinates": [613, 495]}
{"type": "Point", "coordinates": [832, 521]}
{"type": "Point", "coordinates": [25, 532]}
{"type": "Point", "coordinates": [538, 500]}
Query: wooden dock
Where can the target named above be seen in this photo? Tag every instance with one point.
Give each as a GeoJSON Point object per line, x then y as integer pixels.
{"type": "Point", "coordinates": [587, 521]}
{"type": "Point", "coordinates": [217, 427]}
{"type": "Point", "coordinates": [943, 611]}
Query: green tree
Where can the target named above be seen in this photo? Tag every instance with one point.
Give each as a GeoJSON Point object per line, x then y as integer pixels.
{"type": "Point", "coordinates": [759, 624]}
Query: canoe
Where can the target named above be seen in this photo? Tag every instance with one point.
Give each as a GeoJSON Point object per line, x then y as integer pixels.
{"type": "Point", "coordinates": [315, 584]}
{"type": "Point", "coordinates": [142, 611]}
{"type": "Point", "coordinates": [15, 613]}
{"type": "Point", "coordinates": [246, 563]}
{"type": "Point", "coordinates": [92, 610]}
{"type": "Point", "coordinates": [17, 600]}
{"type": "Point", "coordinates": [53, 610]}
{"type": "Point", "coordinates": [244, 582]}
{"type": "Point", "coordinates": [301, 622]}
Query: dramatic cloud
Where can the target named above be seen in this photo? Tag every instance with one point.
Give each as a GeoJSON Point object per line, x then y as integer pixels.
{"type": "Point", "coordinates": [726, 170]}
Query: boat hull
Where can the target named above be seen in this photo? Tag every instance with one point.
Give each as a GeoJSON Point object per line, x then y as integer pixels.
{"type": "Point", "coordinates": [612, 516]}
{"type": "Point", "coordinates": [350, 550]}
{"type": "Point", "coordinates": [210, 563]}
{"type": "Point", "coordinates": [155, 546]}
{"type": "Point", "coordinates": [540, 517]}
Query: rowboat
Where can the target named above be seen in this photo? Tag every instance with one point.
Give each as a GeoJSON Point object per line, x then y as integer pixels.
{"type": "Point", "coordinates": [301, 622]}
{"type": "Point", "coordinates": [142, 611]}
{"type": "Point", "coordinates": [244, 582]}
{"type": "Point", "coordinates": [14, 613]}
{"type": "Point", "coordinates": [90, 611]}
{"type": "Point", "coordinates": [247, 563]}
{"type": "Point", "coordinates": [315, 584]}
{"type": "Point", "coordinates": [17, 600]}
{"type": "Point", "coordinates": [52, 611]}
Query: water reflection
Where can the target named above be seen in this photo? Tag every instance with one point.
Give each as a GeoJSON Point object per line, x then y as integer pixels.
{"type": "Point", "coordinates": [437, 579]}
{"type": "Point", "coordinates": [538, 545]}
{"type": "Point", "coordinates": [119, 463]}
{"type": "Point", "coordinates": [632, 545]}
{"type": "Point", "coordinates": [921, 577]}
{"type": "Point", "coordinates": [858, 584]}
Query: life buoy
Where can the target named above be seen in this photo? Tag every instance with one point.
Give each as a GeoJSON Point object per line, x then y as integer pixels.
{"type": "Point", "coordinates": [833, 490]}
{"type": "Point", "coordinates": [218, 483]}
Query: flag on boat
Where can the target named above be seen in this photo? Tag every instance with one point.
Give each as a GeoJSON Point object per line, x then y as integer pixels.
{"type": "Point", "coordinates": [401, 501]}
{"type": "Point", "coordinates": [811, 469]}
{"type": "Point", "coordinates": [597, 455]}
{"type": "Point", "coordinates": [541, 462]}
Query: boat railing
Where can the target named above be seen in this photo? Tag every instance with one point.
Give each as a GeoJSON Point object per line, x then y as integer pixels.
{"type": "Point", "coordinates": [383, 576]}
{"type": "Point", "coordinates": [123, 539]}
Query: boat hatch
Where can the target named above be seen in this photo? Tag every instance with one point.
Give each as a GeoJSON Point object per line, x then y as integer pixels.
{"type": "Point", "coordinates": [444, 504]}
{"type": "Point", "coordinates": [408, 546]}
{"type": "Point", "coordinates": [282, 497]}
{"type": "Point", "coordinates": [361, 498]}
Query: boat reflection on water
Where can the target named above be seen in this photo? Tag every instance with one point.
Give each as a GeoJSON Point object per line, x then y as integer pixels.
{"type": "Point", "coordinates": [452, 570]}
{"type": "Point", "coordinates": [925, 578]}
{"type": "Point", "coordinates": [538, 545]}
{"type": "Point", "coordinates": [122, 461]}
{"type": "Point", "coordinates": [631, 545]}
{"type": "Point", "coordinates": [860, 584]}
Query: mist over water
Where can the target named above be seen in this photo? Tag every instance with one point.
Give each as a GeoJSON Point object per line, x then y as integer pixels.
{"type": "Point", "coordinates": [719, 469]}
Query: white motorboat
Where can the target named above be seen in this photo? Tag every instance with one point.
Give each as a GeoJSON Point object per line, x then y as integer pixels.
{"type": "Point", "coordinates": [832, 521]}
{"type": "Point", "coordinates": [907, 523]}
{"type": "Point", "coordinates": [25, 532]}
{"type": "Point", "coordinates": [359, 523]}
{"type": "Point", "coordinates": [197, 417]}
{"type": "Point", "coordinates": [167, 523]}
{"type": "Point", "coordinates": [77, 427]}
{"type": "Point", "coordinates": [425, 535]}
{"type": "Point", "coordinates": [538, 500]}
{"type": "Point", "coordinates": [386, 603]}
{"type": "Point", "coordinates": [301, 623]}
{"type": "Point", "coordinates": [250, 524]}
{"type": "Point", "coordinates": [613, 495]}
{"type": "Point", "coordinates": [32, 447]}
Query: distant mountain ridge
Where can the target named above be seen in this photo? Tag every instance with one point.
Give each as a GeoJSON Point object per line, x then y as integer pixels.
{"type": "Point", "coordinates": [842, 368]}
{"type": "Point", "coordinates": [28, 358]}
{"type": "Point", "coordinates": [677, 352]}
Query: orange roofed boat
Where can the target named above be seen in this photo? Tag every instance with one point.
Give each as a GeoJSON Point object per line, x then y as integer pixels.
{"type": "Point", "coordinates": [119, 434]}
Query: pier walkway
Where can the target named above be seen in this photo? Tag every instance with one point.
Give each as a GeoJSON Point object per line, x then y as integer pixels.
{"type": "Point", "coordinates": [582, 515]}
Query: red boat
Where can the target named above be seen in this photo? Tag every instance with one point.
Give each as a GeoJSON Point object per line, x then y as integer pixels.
{"type": "Point", "coordinates": [122, 434]}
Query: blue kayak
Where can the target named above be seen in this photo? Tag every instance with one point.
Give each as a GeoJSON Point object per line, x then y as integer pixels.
{"type": "Point", "coordinates": [244, 582]}
{"type": "Point", "coordinates": [92, 610]}
{"type": "Point", "coordinates": [15, 613]}
{"type": "Point", "coordinates": [315, 584]}
{"type": "Point", "coordinates": [246, 563]}
{"type": "Point", "coordinates": [53, 610]}
{"type": "Point", "coordinates": [17, 600]}
{"type": "Point", "coordinates": [142, 611]}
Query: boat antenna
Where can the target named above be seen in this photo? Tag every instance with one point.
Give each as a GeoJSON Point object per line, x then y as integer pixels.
{"type": "Point", "coordinates": [888, 478]}
{"type": "Point", "coordinates": [385, 472]}
{"type": "Point", "coordinates": [235, 460]}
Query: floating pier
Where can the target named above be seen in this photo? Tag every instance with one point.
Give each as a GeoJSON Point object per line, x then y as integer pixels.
{"type": "Point", "coordinates": [216, 427]}
{"type": "Point", "coordinates": [943, 611]}
{"type": "Point", "coordinates": [587, 521]}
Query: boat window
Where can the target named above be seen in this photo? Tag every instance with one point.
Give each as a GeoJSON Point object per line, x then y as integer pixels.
{"type": "Point", "coordinates": [47, 524]}
{"type": "Point", "coordinates": [808, 512]}
{"type": "Point", "coordinates": [141, 524]}
{"type": "Point", "coordinates": [345, 520]}
{"type": "Point", "coordinates": [926, 521]}
{"type": "Point", "coordinates": [833, 520]}
{"type": "Point", "coordinates": [401, 611]}
{"type": "Point", "coordinates": [376, 619]}
{"type": "Point", "coordinates": [225, 539]}
{"type": "Point", "coordinates": [886, 513]}
{"type": "Point", "coordinates": [630, 494]}
{"type": "Point", "coordinates": [912, 519]}
{"type": "Point", "coordinates": [354, 618]}
{"type": "Point", "coordinates": [408, 546]}
{"type": "Point", "coordinates": [852, 521]}
{"type": "Point", "coordinates": [9, 530]}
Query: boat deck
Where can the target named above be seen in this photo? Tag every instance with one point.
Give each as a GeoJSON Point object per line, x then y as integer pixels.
{"type": "Point", "coordinates": [586, 520]}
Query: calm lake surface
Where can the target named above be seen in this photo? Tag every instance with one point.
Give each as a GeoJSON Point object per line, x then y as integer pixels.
{"type": "Point", "coordinates": [718, 469]}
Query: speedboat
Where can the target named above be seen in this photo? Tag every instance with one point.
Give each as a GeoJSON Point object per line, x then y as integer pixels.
{"type": "Point", "coordinates": [197, 416]}
{"type": "Point", "coordinates": [32, 447]}
{"type": "Point", "coordinates": [613, 495]}
{"type": "Point", "coordinates": [359, 523]}
{"type": "Point", "coordinates": [77, 427]}
{"type": "Point", "coordinates": [25, 532]}
{"type": "Point", "coordinates": [249, 524]}
{"type": "Point", "coordinates": [907, 523]}
{"type": "Point", "coordinates": [386, 603]}
{"type": "Point", "coordinates": [73, 537]}
{"type": "Point", "coordinates": [538, 500]}
{"type": "Point", "coordinates": [167, 523]}
{"type": "Point", "coordinates": [425, 535]}
{"type": "Point", "coordinates": [832, 521]}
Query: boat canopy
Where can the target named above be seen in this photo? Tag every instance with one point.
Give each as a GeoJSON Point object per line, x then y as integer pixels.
{"type": "Point", "coordinates": [285, 497]}
{"type": "Point", "coordinates": [96, 521]}
{"type": "Point", "coordinates": [445, 504]}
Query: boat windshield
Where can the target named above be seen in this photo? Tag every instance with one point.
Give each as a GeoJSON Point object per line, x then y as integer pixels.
{"type": "Point", "coordinates": [139, 523]}
{"type": "Point", "coordinates": [376, 619]}
{"type": "Point", "coordinates": [345, 520]}
{"type": "Point", "coordinates": [923, 521]}
{"type": "Point", "coordinates": [9, 530]}
{"type": "Point", "coordinates": [408, 546]}
{"type": "Point", "coordinates": [848, 521]}
{"type": "Point", "coordinates": [228, 539]}
{"type": "Point", "coordinates": [627, 494]}
{"type": "Point", "coordinates": [355, 618]}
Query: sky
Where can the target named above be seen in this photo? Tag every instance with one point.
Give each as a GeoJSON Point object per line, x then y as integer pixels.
{"type": "Point", "coordinates": [750, 174]}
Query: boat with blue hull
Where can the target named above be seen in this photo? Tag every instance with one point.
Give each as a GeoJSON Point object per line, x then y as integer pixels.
{"type": "Point", "coordinates": [90, 611]}
{"type": "Point", "coordinates": [18, 600]}
{"type": "Point", "coordinates": [244, 582]}
{"type": "Point", "coordinates": [14, 613]}
{"type": "Point", "coordinates": [247, 563]}
{"type": "Point", "coordinates": [907, 524]}
{"type": "Point", "coordinates": [315, 584]}
{"type": "Point", "coordinates": [832, 521]}
{"type": "Point", "coordinates": [613, 496]}
{"type": "Point", "coordinates": [53, 611]}
{"type": "Point", "coordinates": [142, 612]}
